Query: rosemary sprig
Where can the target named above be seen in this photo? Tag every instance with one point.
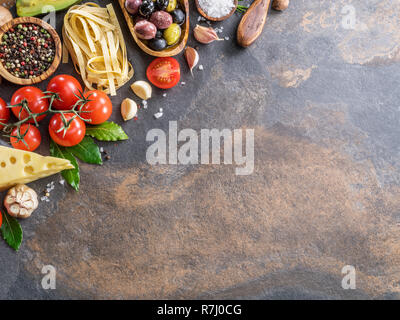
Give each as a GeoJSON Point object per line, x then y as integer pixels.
{"type": "Point", "coordinates": [241, 9]}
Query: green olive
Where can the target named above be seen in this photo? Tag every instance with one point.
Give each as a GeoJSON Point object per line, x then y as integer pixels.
{"type": "Point", "coordinates": [172, 5]}
{"type": "Point", "coordinates": [172, 34]}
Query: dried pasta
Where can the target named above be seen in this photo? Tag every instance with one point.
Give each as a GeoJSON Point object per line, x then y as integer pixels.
{"type": "Point", "coordinates": [94, 39]}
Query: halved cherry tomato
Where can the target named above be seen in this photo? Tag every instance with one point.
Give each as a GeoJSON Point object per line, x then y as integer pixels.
{"type": "Point", "coordinates": [164, 73]}
{"type": "Point", "coordinates": [4, 113]}
{"type": "Point", "coordinates": [37, 103]}
{"type": "Point", "coordinates": [68, 90]}
{"type": "Point", "coordinates": [70, 136]}
{"type": "Point", "coordinates": [98, 109]}
{"type": "Point", "coordinates": [30, 134]}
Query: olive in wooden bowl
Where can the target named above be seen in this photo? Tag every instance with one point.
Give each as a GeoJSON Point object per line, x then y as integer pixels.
{"type": "Point", "coordinates": [160, 28]}
{"type": "Point", "coordinates": [30, 50]}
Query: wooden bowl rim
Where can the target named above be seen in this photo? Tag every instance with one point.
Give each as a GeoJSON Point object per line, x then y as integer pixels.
{"type": "Point", "coordinates": [201, 11]}
{"type": "Point", "coordinates": [168, 52]}
{"type": "Point", "coordinates": [57, 41]}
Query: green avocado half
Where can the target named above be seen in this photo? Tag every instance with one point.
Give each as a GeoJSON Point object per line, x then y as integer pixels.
{"type": "Point", "coordinates": [30, 8]}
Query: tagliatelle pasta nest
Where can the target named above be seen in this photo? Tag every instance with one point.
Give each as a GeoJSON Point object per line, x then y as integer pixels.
{"type": "Point", "coordinates": [96, 44]}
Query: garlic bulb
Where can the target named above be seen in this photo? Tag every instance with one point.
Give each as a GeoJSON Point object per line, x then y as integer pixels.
{"type": "Point", "coordinates": [21, 201]}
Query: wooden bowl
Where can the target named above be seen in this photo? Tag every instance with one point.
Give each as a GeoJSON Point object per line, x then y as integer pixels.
{"type": "Point", "coordinates": [170, 51]}
{"type": "Point", "coordinates": [57, 58]}
{"type": "Point", "coordinates": [201, 11]}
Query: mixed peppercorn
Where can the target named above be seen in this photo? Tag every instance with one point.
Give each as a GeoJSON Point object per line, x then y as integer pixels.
{"type": "Point", "coordinates": [27, 51]}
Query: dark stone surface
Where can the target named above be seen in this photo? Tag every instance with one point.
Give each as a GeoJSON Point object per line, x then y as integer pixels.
{"type": "Point", "coordinates": [324, 103]}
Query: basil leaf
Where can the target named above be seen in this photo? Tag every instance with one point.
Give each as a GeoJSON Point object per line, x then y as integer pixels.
{"type": "Point", "coordinates": [107, 131]}
{"type": "Point", "coordinates": [87, 151]}
{"type": "Point", "coordinates": [71, 175]}
{"type": "Point", "coordinates": [11, 231]}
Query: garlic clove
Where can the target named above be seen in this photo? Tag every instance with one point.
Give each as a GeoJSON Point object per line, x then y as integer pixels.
{"type": "Point", "coordinates": [24, 213]}
{"type": "Point", "coordinates": [205, 35]}
{"type": "Point", "coordinates": [128, 109]}
{"type": "Point", "coordinates": [142, 89]}
{"type": "Point", "coordinates": [192, 58]}
{"type": "Point", "coordinates": [14, 209]}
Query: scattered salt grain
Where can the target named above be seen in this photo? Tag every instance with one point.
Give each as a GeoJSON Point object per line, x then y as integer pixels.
{"type": "Point", "coordinates": [183, 83]}
{"type": "Point", "coordinates": [62, 182]}
{"type": "Point", "coordinates": [226, 38]}
{"type": "Point", "coordinates": [201, 67]}
{"type": "Point", "coordinates": [144, 102]}
{"type": "Point", "coordinates": [101, 149]}
{"type": "Point", "coordinates": [217, 9]}
{"type": "Point", "coordinates": [158, 115]}
{"type": "Point", "coordinates": [164, 95]}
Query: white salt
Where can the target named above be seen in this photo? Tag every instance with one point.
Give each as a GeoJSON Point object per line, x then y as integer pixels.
{"type": "Point", "coordinates": [158, 115]}
{"type": "Point", "coordinates": [217, 9]}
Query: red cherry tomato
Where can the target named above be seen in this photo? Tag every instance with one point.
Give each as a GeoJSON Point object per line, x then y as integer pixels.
{"type": "Point", "coordinates": [164, 73]}
{"type": "Point", "coordinates": [1, 218]}
{"type": "Point", "coordinates": [72, 135]}
{"type": "Point", "coordinates": [4, 113]}
{"type": "Point", "coordinates": [30, 134]}
{"type": "Point", "coordinates": [98, 109]}
{"type": "Point", "coordinates": [37, 103]}
{"type": "Point", "coordinates": [67, 88]}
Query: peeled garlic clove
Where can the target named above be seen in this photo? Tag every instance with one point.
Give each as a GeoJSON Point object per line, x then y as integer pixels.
{"type": "Point", "coordinates": [128, 109]}
{"type": "Point", "coordinates": [205, 35]}
{"type": "Point", "coordinates": [192, 58]}
{"type": "Point", "coordinates": [142, 89]}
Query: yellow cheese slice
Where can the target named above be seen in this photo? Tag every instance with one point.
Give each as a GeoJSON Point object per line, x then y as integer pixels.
{"type": "Point", "coordinates": [21, 167]}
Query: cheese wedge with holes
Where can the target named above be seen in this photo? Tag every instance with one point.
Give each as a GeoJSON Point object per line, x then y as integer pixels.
{"type": "Point", "coordinates": [21, 167]}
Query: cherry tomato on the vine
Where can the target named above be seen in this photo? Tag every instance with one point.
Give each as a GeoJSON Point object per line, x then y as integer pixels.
{"type": "Point", "coordinates": [68, 90]}
{"type": "Point", "coordinates": [4, 113]}
{"type": "Point", "coordinates": [164, 73]}
{"type": "Point", "coordinates": [30, 134]}
{"type": "Point", "coordinates": [98, 109]}
{"type": "Point", "coordinates": [36, 102]}
{"type": "Point", "coordinates": [67, 136]}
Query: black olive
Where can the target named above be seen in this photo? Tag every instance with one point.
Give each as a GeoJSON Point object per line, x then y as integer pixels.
{"type": "Point", "coordinates": [162, 4]}
{"type": "Point", "coordinates": [159, 34]}
{"type": "Point", "coordinates": [158, 44]}
{"type": "Point", "coordinates": [178, 16]}
{"type": "Point", "coordinates": [147, 8]}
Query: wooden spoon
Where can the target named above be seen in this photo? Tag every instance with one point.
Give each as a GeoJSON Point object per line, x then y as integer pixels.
{"type": "Point", "coordinates": [253, 22]}
{"type": "Point", "coordinates": [201, 11]}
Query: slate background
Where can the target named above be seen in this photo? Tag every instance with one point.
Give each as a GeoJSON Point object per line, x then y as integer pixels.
{"type": "Point", "coordinates": [324, 103]}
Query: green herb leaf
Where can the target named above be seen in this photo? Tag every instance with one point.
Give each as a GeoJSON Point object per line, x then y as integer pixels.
{"type": "Point", "coordinates": [11, 231]}
{"type": "Point", "coordinates": [87, 151]}
{"type": "Point", "coordinates": [72, 175]}
{"type": "Point", "coordinates": [108, 131]}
